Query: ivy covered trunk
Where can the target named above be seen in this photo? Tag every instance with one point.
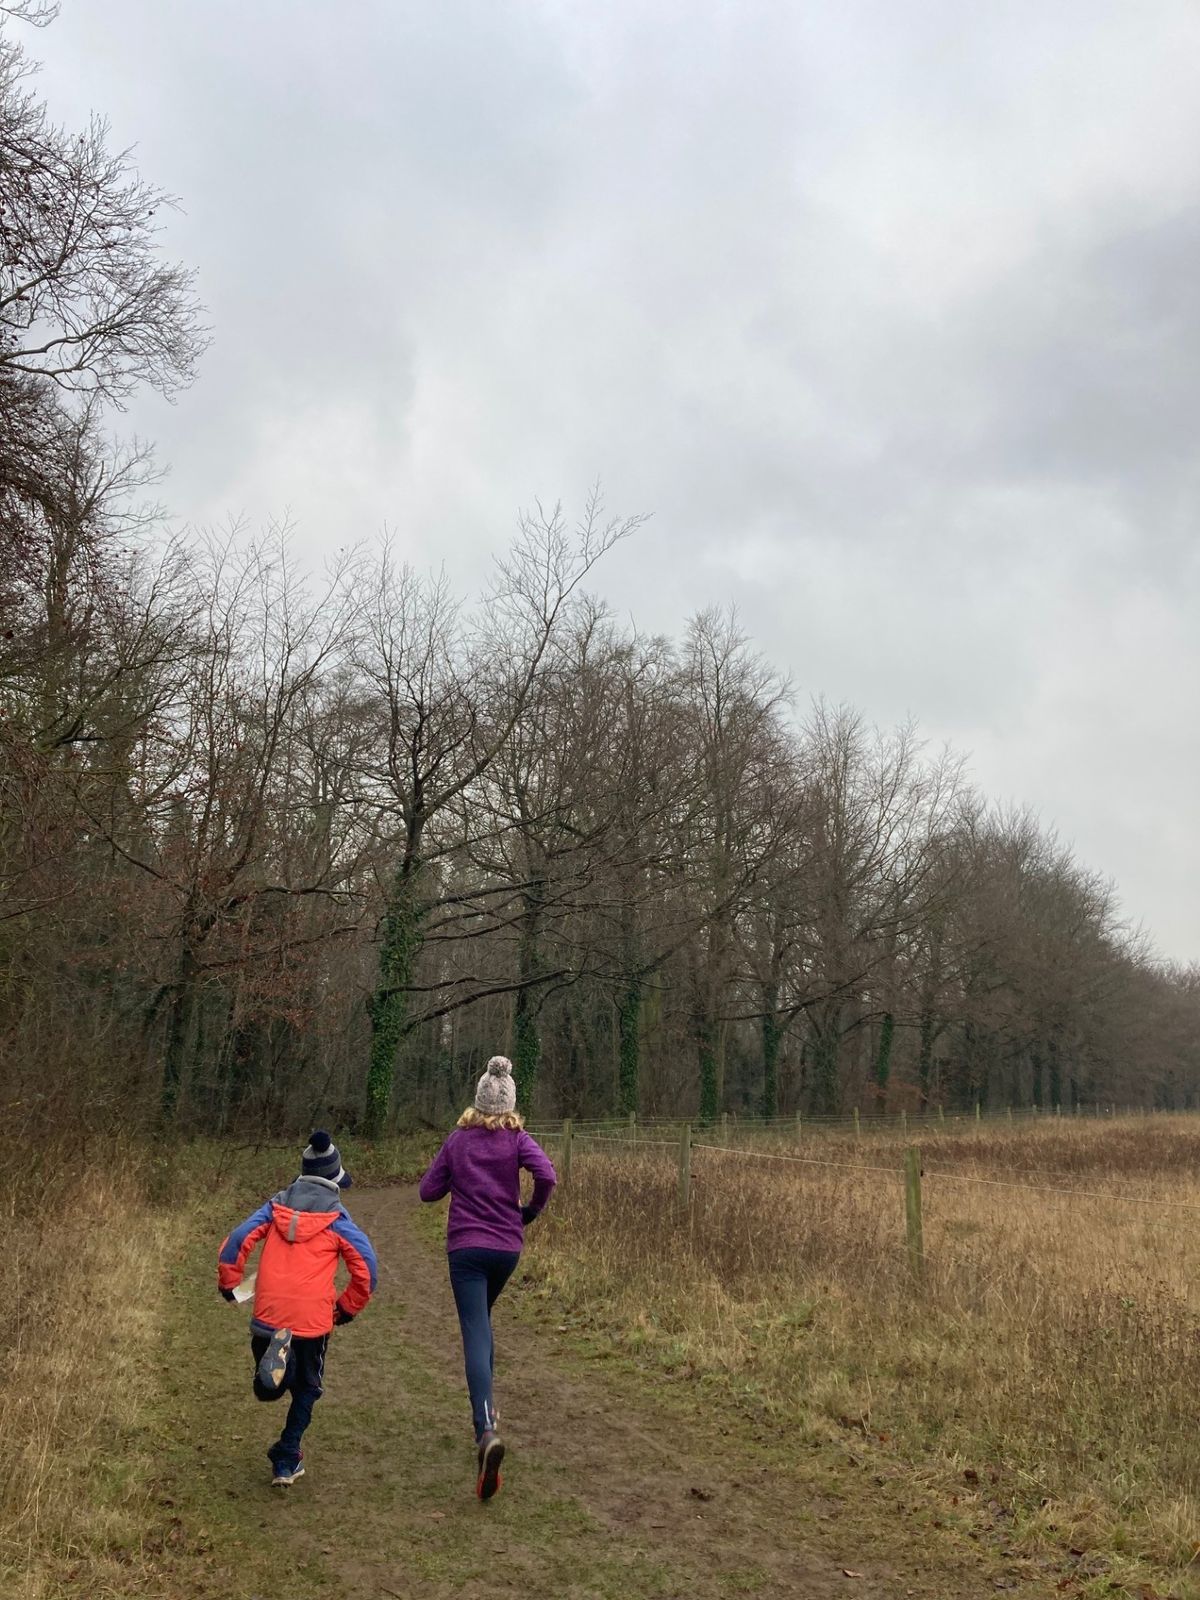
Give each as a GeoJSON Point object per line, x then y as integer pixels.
{"type": "Point", "coordinates": [823, 1055]}
{"type": "Point", "coordinates": [403, 932]}
{"type": "Point", "coordinates": [883, 1057]}
{"type": "Point", "coordinates": [629, 1021]}
{"type": "Point", "coordinates": [925, 1053]}
{"type": "Point", "coordinates": [527, 1039]}
{"type": "Point", "coordinates": [629, 1014]}
{"type": "Point", "coordinates": [709, 982]}
{"type": "Point", "coordinates": [710, 1074]}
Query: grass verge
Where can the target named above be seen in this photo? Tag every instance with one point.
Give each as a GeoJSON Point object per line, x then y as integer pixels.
{"type": "Point", "coordinates": [90, 1297]}
{"type": "Point", "coordinates": [1044, 1381]}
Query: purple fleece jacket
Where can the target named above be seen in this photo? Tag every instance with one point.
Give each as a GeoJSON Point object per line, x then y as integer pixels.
{"type": "Point", "coordinates": [480, 1169]}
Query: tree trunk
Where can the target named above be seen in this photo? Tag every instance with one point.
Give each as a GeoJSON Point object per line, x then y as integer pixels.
{"type": "Point", "coordinates": [827, 1032]}
{"type": "Point", "coordinates": [403, 934]}
{"type": "Point", "coordinates": [925, 1054]}
{"type": "Point", "coordinates": [629, 1018]}
{"type": "Point", "coordinates": [179, 1025]}
{"type": "Point", "coordinates": [772, 1035]}
{"type": "Point", "coordinates": [527, 1039]}
{"type": "Point", "coordinates": [1055, 1074]}
{"type": "Point", "coordinates": [883, 1058]}
{"type": "Point", "coordinates": [710, 1089]}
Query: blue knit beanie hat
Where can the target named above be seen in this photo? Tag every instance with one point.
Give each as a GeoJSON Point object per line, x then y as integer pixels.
{"type": "Point", "coordinates": [321, 1160]}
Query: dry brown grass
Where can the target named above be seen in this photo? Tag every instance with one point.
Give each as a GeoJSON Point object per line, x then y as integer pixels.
{"type": "Point", "coordinates": [93, 1232]}
{"type": "Point", "coordinates": [81, 1289]}
{"type": "Point", "coordinates": [1055, 1349]}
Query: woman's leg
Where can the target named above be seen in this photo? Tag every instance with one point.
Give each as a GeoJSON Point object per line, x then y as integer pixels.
{"type": "Point", "coordinates": [500, 1268]}
{"type": "Point", "coordinates": [501, 1265]}
{"type": "Point", "coordinates": [469, 1281]}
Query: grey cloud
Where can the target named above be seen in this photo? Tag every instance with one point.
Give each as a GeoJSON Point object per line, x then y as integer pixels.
{"type": "Point", "coordinates": [887, 314]}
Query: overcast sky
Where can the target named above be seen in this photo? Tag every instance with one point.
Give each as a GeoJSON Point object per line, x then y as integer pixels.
{"type": "Point", "coordinates": [887, 310]}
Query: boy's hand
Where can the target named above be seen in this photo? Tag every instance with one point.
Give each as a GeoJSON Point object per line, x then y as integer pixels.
{"type": "Point", "coordinates": [229, 1295]}
{"type": "Point", "coordinates": [341, 1318]}
{"type": "Point", "coordinates": [528, 1215]}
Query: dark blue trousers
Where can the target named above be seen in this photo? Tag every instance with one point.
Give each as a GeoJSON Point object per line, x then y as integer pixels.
{"type": "Point", "coordinates": [303, 1380]}
{"type": "Point", "coordinates": [477, 1277]}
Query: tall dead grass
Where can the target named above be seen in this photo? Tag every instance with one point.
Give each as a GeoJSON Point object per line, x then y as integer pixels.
{"type": "Point", "coordinates": [81, 1286]}
{"type": "Point", "coordinates": [1054, 1347]}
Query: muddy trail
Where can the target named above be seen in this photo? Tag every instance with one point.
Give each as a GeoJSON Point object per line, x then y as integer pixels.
{"type": "Point", "coordinates": [615, 1485]}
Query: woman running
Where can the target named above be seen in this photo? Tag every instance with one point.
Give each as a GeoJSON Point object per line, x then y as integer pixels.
{"type": "Point", "coordinates": [479, 1166]}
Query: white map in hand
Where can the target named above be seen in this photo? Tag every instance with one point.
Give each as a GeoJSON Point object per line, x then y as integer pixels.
{"type": "Point", "coordinates": [245, 1290]}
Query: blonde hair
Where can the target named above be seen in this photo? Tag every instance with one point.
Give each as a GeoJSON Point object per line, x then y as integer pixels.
{"type": "Point", "coordinates": [500, 1119]}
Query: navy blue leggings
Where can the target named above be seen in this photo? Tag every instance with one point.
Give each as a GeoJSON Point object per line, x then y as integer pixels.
{"type": "Point", "coordinates": [477, 1277]}
{"type": "Point", "coordinates": [304, 1381]}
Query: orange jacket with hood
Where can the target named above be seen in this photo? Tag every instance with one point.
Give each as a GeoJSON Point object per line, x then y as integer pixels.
{"type": "Point", "coordinates": [305, 1231]}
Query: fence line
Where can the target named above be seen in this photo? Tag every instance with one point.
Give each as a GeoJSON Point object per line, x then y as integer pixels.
{"type": "Point", "coordinates": [943, 1173]}
{"type": "Point", "coordinates": [1043, 1188]}
{"type": "Point", "coordinates": [807, 1161]}
{"type": "Point", "coordinates": [913, 1172]}
{"type": "Point", "coordinates": [861, 1120]}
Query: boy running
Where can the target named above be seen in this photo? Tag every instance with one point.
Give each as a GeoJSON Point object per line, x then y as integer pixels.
{"type": "Point", "coordinates": [305, 1230]}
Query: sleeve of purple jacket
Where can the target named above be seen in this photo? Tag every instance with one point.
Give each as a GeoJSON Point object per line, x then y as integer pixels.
{"type": "Point", "coordinates": [534, 1159]}
{"type": "Point", "coordinates": [436, 1181]}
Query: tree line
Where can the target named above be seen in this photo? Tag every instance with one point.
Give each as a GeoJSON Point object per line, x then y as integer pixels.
{"type": "Point", "coordinates": [275, 843]}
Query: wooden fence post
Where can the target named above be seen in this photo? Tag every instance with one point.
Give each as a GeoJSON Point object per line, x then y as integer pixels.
{"type": "Point", "coordinates": [633, 1124]}
{"type": "Point", "coordinates": [912, 1212]}
{"type": "Point", "coordinates": [566, 1150]}
{"type": "Point", "coordinates": [724, 1127]}
{"type": "Point", "coordinates": [685, 1165]}
{"type": "Point", "coordinates": [978, 1112]}
{"type": "Point", "coordinates": [941, 1114]}
{"type": "Point", "coordinates": [903, 1120]}
{"type": "Point", "coordinates": [856, 1126]}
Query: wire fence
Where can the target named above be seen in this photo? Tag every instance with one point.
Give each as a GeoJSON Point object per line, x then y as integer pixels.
{"type": "Point", "coordinates": [660, 1135]}
{"type": "Point", "coordinates": [856, 1120]}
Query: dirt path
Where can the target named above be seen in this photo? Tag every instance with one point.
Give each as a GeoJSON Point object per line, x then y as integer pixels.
{"type": "Point", "coordinates": [615, 1489]}
{"type": "Point", "coordinates": [672, 1511]}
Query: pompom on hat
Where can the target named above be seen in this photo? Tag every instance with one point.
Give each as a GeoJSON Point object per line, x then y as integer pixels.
{"type": "Point", "coordinates": [322, 1160]}
{"type": "Point", "coordinates": [496, 1092]}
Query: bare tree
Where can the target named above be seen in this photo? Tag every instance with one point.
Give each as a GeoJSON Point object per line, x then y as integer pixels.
{"type": "Point", "coordinates": [450, 696]}
{"type": "Point", "coordinates": [85, 301]}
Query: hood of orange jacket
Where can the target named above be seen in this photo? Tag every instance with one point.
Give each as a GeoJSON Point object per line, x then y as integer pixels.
{"type": "Point", "coordinates": [306, 1208]}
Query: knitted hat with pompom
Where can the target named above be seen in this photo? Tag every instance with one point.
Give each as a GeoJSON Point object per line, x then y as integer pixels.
{"type": "Point", "coordinates": [321, 1160]}
{"type": "Point", "coordinates": [496, 1092]}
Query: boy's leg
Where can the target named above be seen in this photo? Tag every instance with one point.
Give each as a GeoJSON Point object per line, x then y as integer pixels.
{"type": "Point", "coordinates": [468, 1279]}
{"type": "Point", "coordinates": [262, 1391]}
{"type": "Point", "coordinates": [306, 1380]}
